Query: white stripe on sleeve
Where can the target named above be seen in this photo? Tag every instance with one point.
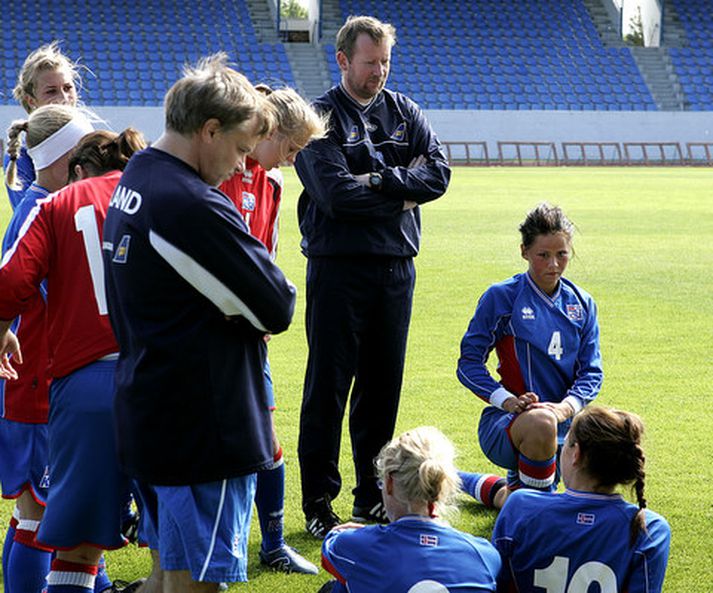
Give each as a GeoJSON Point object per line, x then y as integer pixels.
{"type": "Point", "coordinates": [203, 281]}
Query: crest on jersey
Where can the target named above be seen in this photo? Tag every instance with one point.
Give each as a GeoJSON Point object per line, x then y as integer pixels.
{"type": "Point", "coordinates": [428, 540]}
{"type": "Point", "coordinates": [248, 201]}
{"type": "Point", "coordinates": [528, 313]}
{"type": "Point", "coordinates": [399, 133]}
{"type": "Point", "coordinates": [585, 518]}
{"type": "Point", "coordinates": [45, 480]}
{"type": "Point", "coordinates": [574, 312]}
{"type": "Point", "coordinates": [122, 251]}
{"type": "Point", "coordinates": [353, 134]}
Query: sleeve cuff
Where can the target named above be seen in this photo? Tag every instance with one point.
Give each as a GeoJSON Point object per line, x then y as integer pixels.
{"type": "Point", "coordinates": [498, 397]}
{"type": "Point", "coordinates": [575, 402]}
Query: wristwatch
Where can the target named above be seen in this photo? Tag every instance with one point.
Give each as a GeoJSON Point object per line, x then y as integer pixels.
{"type": "Point", "coordinates": [375, 181]}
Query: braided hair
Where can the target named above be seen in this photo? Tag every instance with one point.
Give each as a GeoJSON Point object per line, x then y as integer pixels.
{"type": "Point", "coordinates": [610, 442]}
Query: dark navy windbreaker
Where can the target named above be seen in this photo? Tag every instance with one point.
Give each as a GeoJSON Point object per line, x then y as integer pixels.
{"type": "Point", "coordinates": [337, 215]}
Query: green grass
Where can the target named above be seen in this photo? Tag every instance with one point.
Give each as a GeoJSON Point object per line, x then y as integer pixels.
{"type": "Point", "coordinates": [644, 250]}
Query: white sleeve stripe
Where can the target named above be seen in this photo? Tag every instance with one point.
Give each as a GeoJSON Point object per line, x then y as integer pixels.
{"type": "Point", "coordinates": [23, 229]}
{"type": "Point", "coordinates": [203, 281]}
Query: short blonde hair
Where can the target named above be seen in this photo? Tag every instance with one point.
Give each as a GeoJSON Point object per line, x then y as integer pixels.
{"type": "Point", "coordinates": [294, 117]}
{"type": "Point", "coordinates": [356, 25]}
{"type": "Point", "coordinates": [422, 464]}
{"type": "Point", "coordinates": [40, 125]}
{"type": "Point", "coordinates": [210, 90]}
{"type": "Point", "coordinates": [46, 57]}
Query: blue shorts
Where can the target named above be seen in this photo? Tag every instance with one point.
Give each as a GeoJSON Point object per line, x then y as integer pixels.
{"type": "Point", "coordinates": [23, 459]}
{"type": "Point", "coordinates": [202, 528]}
{"type": "Point", "coordinates": [268, 386]}
{"type": "Point", "coordinates": [494, 438]}
{"type": "Point", "coordinates": [88, 490]}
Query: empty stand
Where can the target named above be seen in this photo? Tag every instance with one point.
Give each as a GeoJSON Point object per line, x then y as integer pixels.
{"type": "Point", "coordinates": [505, 54]}
{"type": "Point", "coordinates": [133, 52]}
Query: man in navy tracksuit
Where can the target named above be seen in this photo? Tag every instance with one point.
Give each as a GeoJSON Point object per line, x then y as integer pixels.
{"type": "Point", "coordinates": [360, 221]}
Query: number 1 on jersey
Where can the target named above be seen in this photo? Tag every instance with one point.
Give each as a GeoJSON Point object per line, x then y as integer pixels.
{"type": "Point", "coordinates": [555, 348]}
{"type": "Point", "coordinates": [85, 221]}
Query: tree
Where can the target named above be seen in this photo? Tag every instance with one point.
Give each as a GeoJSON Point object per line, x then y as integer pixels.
{"type": "Point", "coordinates": [636, 26]}
{"type": "Point", "coordinates": [292, 9]}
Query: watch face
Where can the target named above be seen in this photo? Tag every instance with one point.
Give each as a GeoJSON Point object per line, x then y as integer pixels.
{"type": "Point", "coordinates": [375, 180]}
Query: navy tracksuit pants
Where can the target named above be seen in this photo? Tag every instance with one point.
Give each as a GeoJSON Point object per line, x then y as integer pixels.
{"type": "Point", "coordinates": [357, 319]}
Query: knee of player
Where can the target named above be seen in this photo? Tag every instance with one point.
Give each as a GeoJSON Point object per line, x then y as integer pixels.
{"type": "Point", "coordinates": [538, 426]}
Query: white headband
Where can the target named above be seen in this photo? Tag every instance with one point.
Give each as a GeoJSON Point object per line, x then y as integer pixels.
{"type": "Point", "coordinates": [61, 142]}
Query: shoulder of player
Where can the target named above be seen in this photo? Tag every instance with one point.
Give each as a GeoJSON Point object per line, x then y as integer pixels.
{"type": "Point", "coordinates": [575, 292]}
{"type": "Point", "coordinates": [275, 175]}
{"type": "Point", "coordinates": [504, 293]}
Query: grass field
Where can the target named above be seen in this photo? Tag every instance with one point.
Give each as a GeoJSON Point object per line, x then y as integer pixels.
{"type": "Point", "coordinates": [644, 250]}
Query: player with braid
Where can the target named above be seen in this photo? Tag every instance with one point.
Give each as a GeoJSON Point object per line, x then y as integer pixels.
{"type": "Point", "coordinates": [46, 77]}
{"type": "Point", "coordinates": [257, 193]}
{"type": "Point", "coordinates": [589, 534]}
{"type": "Point", "coordinates": [60, 241]}
{"type": "Point", "coordinates": [24, 401]}
{"type": "Point", "coordinates": [545, 333]}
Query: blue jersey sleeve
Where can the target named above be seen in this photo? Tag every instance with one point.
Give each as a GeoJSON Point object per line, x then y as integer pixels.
{"type": "Point", "coordinates": [485, 329]}
{"type": "Point", "coordinates": [427, 182]}
{"type": "Point", "coordinates": [651, 557]}
{"type": "Point", "coordinates": [334, 559]}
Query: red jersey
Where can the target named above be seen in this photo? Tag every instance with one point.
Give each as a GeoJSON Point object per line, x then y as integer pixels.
{"type": "Point", "coordinates": [61, 240]}
{"type": "Point", "coordinates": [257, 194]}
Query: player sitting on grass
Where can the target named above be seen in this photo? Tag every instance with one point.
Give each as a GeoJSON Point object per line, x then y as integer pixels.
{"type": "Point", "coordinates": [416, 552]}
{"type": "Point", "coordinates": [587, 538]}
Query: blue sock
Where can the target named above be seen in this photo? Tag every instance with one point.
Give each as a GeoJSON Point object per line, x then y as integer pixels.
{"type": "Point", "coordinates": [7, 549]}
{"type": "Point", "coordinates": [103, 581]}
{"type": "Point", "coordinates": [482, 487]}
{"type": "Point", "coordinates": [27, 568]}
{"type": "Point", "coordinates": [270, 502]}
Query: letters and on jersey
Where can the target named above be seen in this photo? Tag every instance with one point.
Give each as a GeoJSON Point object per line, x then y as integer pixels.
{"type": "Point", "coordinates": [410, 555]}
{"type": "Point", "coordinates": [576, 542]}
{"type": "Point", "coordinates": [548, 345]}
{"type": "Point", "coordinates": [257, 194]}
{"type": "Point", "coordinates": [26, 398]}
{"type": "Point", "coordinates": [191, 296]}
{"type": "Point", "coordinates": [69, 223]}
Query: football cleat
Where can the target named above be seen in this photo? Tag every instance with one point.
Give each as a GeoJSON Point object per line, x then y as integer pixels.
{"type": "Point", "coordinates": [120, 586]}
{"type": "Point", "coordinates": [370, 514]}
{"type": "Point", "coordinates": [320, 519]}
{"type": "Point", "coordinates": [287, 559]}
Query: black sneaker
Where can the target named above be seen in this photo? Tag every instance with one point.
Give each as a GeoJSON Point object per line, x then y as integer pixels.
{"type": "Point", "coordinates": [287, 559]}
{"type": "Point", "coordinates": [320, 519]}
{"type": "Point", "coordinates": [370, 514]}
{"type": "Point", "coordinates": [120, 586]}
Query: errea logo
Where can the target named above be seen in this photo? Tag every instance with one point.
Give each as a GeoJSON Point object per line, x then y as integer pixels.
{"type": "Point", "coordinates": [528, 313]}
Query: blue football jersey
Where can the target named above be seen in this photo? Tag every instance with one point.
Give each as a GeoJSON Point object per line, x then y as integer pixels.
{"type": "Point", "coordinates": [552, 543]}
{"type": "Point", "coordinates": [412, 554]}
{"type": "Point", "coordinates": [548, 345]}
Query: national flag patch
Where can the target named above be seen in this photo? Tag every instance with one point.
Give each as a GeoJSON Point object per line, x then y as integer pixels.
{"type": "Point", "coordinates": [585, 518]}
{"type": "Point", "coordinates": [248, 201]}
{"type": "Point", "coordinates": [574, 312]}
{"type": "Point", "coordinates": [428, 540]}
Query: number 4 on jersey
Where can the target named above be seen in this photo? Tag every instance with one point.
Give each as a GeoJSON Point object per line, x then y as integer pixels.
{"type": "Point", "coordinates": [555, 348]}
